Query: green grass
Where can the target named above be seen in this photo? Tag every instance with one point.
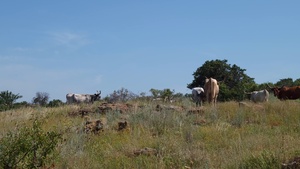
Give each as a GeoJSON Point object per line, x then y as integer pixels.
{"type": "Point", "coordinates": [229, 136]}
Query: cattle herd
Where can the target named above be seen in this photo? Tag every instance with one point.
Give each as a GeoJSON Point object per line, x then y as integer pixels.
{"type": "Point", "coordinates": [211, 90]}
{"type": "Point", "coordinates": [208, 93]}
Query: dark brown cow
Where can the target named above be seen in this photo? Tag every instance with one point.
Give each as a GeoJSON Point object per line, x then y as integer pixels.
{"type": "Point", "coordinates": [286, 93]}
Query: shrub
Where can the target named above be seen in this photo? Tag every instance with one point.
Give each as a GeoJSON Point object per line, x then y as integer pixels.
{"type": "Point", "coordinates": [55, 103]}
{"type": "Point", "coordinates": [121, 95]}
{"type": "Point", "coordinates": [27, 148]}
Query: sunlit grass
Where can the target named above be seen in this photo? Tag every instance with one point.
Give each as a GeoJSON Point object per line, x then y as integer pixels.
{"type": "Point", "coordinates": [226, 136]}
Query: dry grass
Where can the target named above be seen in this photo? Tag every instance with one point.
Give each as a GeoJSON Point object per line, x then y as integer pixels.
{"type": "Point", "coordinates": [221, 137]}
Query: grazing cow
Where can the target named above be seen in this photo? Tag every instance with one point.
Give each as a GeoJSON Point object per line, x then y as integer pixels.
{"type": "Point", "coordinates": [211, 89]}
{"type": "Point", "coordinates": [198, 95]}
{"type": "Point", "coordinates": [286, 93]}
{"type": "Point", "coordinates": [259, 96]}
{"type": "Point", "coordinates": [82, 98]}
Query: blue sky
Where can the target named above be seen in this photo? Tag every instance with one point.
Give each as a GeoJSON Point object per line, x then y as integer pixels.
{"type": "Point", "coordinates": [84, 46]}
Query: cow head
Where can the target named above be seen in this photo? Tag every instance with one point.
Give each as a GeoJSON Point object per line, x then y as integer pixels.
{"type": "Point", "coordinates": [248, 94]}
{"type": "Point", "coordinates": [275, 90]}
{"type": "Point", "coordinates": [96, 96]}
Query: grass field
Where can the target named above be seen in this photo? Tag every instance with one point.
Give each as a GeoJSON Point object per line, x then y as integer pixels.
{"type": "Point", "coordinates": [227, 136]}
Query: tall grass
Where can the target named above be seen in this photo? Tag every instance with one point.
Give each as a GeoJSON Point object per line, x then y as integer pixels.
{"type": "Point", "coordinates": [229, 136]}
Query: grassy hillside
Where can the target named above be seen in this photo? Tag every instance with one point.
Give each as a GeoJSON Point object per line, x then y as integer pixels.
{"type": "Point", "coordinates": [228, 136]}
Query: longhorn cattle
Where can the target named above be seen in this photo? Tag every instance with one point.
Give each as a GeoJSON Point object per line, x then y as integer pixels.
{"type": "Point", "coordinates": [211, 89]}
{"type": "Point", "coordinates": [82, 98]}
{"type": "Point", "coordinates": [259, 96]}
{"type": "Point", "coordinates": [286, 93]}
{"type": "Point", "coordinates": [198, 95]}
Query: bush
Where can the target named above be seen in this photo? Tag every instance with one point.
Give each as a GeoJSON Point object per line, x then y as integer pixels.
{"type": "Point", "coordinates": [121, 95]}
{"type": "Point", "coordinates": [27, 148]}
{"type": "Point", "coordinates": [55, 103]}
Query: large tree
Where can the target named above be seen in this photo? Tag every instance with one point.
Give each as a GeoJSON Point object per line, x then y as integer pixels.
{"type": "Point", "coordinates": [232, 79]}
{"type": "Point", "coordinates": [285, 82]}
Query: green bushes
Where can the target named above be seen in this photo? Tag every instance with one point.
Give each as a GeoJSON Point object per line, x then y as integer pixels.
{"type": "Point", "coordinates": [27, 148]}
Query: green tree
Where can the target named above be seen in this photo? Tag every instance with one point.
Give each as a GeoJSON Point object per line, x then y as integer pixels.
{"type": "Point", "coordinates": [232, 79]}
{"type": "Point", "coordinates": [7, 99]}
{"type": "Point", "coordinates": [218, 69]}
{"type": "Point", "coordinates": [285, 82]}
{"type": "Point", "coordinates": [167, 94]}
{"type": "Point", "coordinates": [155, 92]}
{"type": "Point", "coordinates": [297, 82]}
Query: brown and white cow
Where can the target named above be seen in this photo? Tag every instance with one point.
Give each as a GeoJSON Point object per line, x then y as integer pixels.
{"type": "Point", "coordinates": [211, 89]}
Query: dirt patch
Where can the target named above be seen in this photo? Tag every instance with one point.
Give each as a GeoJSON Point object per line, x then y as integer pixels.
{"type": "Point", "coordinates": [94, 126]}
{"type": "Point", "coordinates": [197, 110]}
{"type": "Point", "coordinates": [122, 125]}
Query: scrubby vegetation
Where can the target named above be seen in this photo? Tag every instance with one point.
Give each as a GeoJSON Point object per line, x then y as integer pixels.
{"type": "Point", "coordinates": [227, 136]}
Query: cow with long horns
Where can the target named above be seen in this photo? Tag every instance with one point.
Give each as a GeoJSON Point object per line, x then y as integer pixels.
{"type": "Point", "coordinates": [286, 93]}
{"type": "Point", "coordinates": [259, 96]}
{"type": "Point", "coordinates": [82, 98]}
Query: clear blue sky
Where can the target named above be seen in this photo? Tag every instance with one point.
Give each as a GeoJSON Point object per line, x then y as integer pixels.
{"type": "Point", "coordinates": [84, 46]}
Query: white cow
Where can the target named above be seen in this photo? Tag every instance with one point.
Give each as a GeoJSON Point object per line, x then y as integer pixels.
{"type": "Point", "coordinates": [259, 96]}
{"type": "Point", "coordinates": [82, 98]}
{"type": "Point", "coordinates": [198, 95]}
